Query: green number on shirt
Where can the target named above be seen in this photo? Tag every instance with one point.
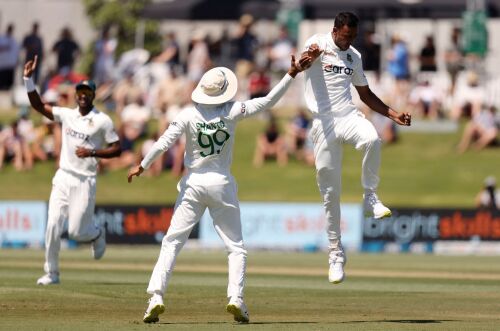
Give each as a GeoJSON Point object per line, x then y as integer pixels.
{"type": "Point", "coordinates": [215, 142]}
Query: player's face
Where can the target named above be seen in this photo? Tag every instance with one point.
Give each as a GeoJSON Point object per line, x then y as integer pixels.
{"type": "Point", "coordinates": [84, 97]}
{"type": "Point", "coordinates": [344, 36]}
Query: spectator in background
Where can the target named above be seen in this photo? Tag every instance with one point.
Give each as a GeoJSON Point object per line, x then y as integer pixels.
{"type": "Point", "coordinates": [125, 91]}
{"type": "Point", "coordinates": [468, 99]}
{"type": "Point", "coordinates": [398, 68]}
{"type": "Point", "coordinates": [297, 135]}
{"type": "Point", "coordinates": [454, 58]}
{"type": "Point", "coordinates": [279, 53]}
{"type": "Point", "coordinates": [426, 100]}
{"type": "Point", "coordinates": [104, 52]}
{"type": "Point", "coordinates": [198, 60]}
{"type": "Point", "coordinates": [171, 52]}
{"type": "Point", "coordinates": [428, 55]}
{"type": "Point", "coordinates": [33, 45]}
{"type": "Point", "coordinates": [481, 131]}
{"type": "Point", "coordinates": [66, 49]}
{"type": "Point", "coordinates": [270, 144]}
{"type": "Point", "coordinates": [489, 196]}
{"type": "Point", "coordinates": [9, 55]}
{"type": "Point", "coordinates": [371, 54]}
{"type": "Point", "coordinates": [246, 46]}
{"type": "Point", "coordinates": [259, 83]}
{"type": "Point", "coordinates": [11, 146]}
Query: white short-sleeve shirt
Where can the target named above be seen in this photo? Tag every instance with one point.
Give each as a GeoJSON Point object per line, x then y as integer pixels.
{"type": "Point", "coordinates": [91, 131]}
{"type": "Point", "coordinates": [328, 81]}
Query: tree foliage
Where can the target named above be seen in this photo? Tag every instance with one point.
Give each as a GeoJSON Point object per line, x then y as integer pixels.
{"type": "Point", "coordinates": [122, 17]}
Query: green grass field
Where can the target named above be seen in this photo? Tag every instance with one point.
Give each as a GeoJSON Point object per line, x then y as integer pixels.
{"type": "Point", "coordinates": [421, 170]}
{"type": "Point", "coordinates": [285, 291]}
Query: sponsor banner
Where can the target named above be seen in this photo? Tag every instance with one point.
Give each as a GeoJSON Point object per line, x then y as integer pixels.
{"type": "Point", "coordinates": [22, 222]}
{"type": "Point", "coordinates": [428, 225]}
{"type": "Point", "coordinates": [135, 224]}
{"type": "Point", "coordinates": [288, 226]}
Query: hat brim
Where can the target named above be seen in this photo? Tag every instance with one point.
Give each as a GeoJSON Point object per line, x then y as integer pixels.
{"type": "Point", "coordinates": [199, 96]}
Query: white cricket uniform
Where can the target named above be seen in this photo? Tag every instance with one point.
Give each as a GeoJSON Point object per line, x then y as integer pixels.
{"type": "Point", "coordinates": [210, 132]}
{"type": "Point", "coordinates": [336, 120]}
{"type": "Point", "coordinates": [74, 184]}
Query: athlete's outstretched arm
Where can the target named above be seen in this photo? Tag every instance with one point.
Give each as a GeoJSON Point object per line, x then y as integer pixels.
{"type": "Point", "coordinates": [34, 97]}
{"type": "Point", "coordinates": [167, 139]}
{"type": "Point", "coordinates": [372, 101]}
{"type": "Point", "coordinates": [256, 105]}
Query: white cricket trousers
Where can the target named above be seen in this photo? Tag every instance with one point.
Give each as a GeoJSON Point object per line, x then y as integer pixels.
{"type": "Point", "coordinates": [73, 199]}
{"type": "Point", "coordinates": [328, 134]}
{"type": "Point", "coordinates": [222, 203]}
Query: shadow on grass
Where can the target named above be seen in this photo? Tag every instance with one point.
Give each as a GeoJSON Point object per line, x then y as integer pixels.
{"type": "Point", "coordinates": [232, 323]}
{"type": "Point", "coordinates": [403, 321]}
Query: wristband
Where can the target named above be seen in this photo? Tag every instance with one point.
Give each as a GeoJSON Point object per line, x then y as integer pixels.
{"type": "Point", "coordinates": [93, 152]}
{"type": "Point", "coordinates": [30, 85]}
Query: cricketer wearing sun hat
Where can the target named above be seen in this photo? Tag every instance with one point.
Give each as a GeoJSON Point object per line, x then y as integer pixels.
{"type": "Point", "coordinates": [209, 127]}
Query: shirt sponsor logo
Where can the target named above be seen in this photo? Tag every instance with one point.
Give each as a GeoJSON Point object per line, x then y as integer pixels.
{"type": "Point", "coordinates": [338, 69]}
{"type": "Point", "coordinates": [75, 134]}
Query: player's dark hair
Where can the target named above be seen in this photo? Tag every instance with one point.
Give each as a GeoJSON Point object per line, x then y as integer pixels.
{"type": "Point", "coordinates": [346, 18]}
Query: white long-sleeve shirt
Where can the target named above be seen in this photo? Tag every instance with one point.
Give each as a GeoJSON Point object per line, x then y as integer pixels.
{"type": "Point", "coordinates": [210, 131]}
{"type": "Point", "coordinates": [328, 81]}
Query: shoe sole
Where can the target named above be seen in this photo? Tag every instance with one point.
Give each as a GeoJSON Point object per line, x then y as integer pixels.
{"type": "Point", "coordinates": [379, 217]}
{"type": "Point", "coordinates": [152, 317]}
{"type": "Point", "coordinates": [238, 316]}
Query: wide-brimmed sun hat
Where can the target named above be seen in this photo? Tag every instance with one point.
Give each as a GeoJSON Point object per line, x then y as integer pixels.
{"type": "Point", "coordinates": [218, 85]}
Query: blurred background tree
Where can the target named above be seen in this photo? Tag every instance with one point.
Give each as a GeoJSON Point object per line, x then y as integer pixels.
{"type": "Point", "coordinates": [122, 17]}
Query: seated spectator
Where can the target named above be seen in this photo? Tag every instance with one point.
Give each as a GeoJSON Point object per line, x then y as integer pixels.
{"type": "Point", "coordinates": [426, 100]}
{"type": "Point", "coordinates": [468, 99]}
{"type": "Point", "coordinates": [126, 159]}
{"type": "Point", "coordinates": [489, 196]}
{"type": "Point", "coordinates": [259, 83]}
{"type": "Point", "coordinates": [481, 131]}
{"type": "Point", "coordinates": [297, 135]}
{"type": "Point", "coordinates": [173, 159]}
{"type": "Point", "coordinates": [11, 146]}
{"type": "Point", "coordinates": [270, 144]}
{"type": "Point", "coordinates": [134, 119]}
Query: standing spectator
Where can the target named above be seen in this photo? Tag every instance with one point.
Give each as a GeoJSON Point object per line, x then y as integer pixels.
{"type": "Point", "coordinates": [104, 57]}
{"type": "Point", "coordinates": [280, 52]}
{"type": "Point", "coordinates": [33, 45]}
{"type": "Point", "coordinates": [66, 49]}
{"type": "Point", "coordinates": [426, 100]}
{"type": "Point", "coordinates": [428, 55]}
{"type": "Point", "coordinates": [454, 58]}
{"type": "Point", "coordinates": [246, 47]}
{"type": "Point", "coordinates": [171, 52]}
{"type": "Point", "coordinates": [398, 68]}
{"type": "Point", "coordinates": [371, 56]}
{"type": "Point", "coordinates": [9, 54]}
{"type": "Point", "coordinates": [198, 60]}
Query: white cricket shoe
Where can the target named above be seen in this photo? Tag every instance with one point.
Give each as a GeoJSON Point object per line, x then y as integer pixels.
{"type": "Point", "coordinates": [155, 308]}
{"type": "Point", "coordinates": [48, 279]}
{"type": "Point", "coordinates": [337, 262]}
{"type": "Point", "coordinates": [237, 307]}
{"type": "Point", "coordinates": [99, 244]}
{"type": "Point", "coordinates": [373, 207]}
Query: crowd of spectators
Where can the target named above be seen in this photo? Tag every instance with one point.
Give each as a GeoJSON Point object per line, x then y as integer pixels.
{"type": "Point", "coordinates": [145, 91]}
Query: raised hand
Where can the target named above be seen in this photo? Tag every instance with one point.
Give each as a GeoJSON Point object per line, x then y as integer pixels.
{"type": "Point", "coordinates": [314, 51]}
{"type": "Point", "coordinates": [30, 67]}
